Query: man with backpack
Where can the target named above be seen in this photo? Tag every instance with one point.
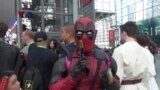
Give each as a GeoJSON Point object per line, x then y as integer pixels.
{"type": "Point", "coordinates": [87, 68]}
{"type": "Point", "coordinates": [21, 67]}
{"type": "Point", "coordinates": [39, 64]}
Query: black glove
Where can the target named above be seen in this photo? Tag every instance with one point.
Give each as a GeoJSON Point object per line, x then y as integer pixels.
{"type": "Point", "coordinates": [80, 68]}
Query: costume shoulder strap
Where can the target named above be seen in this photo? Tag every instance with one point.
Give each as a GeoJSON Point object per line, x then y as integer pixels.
{"type": "Point", "coordinates": [100, 55]}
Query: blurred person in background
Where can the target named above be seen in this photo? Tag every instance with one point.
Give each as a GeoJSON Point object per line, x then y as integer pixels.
{"type": "Point", "coordinates": [53, 46]}
{"type": "Point", "coordinates": [151, 49]}
{"type": "Point", "coordinates": [27, 39]}
{"type": "Point", "coordinates": [8, 53]}
{"type": "Point", "coordinates": [67, 37]}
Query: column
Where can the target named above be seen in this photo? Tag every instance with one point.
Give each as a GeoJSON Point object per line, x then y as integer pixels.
{"type": "Point", "coordinates": [75, 10]}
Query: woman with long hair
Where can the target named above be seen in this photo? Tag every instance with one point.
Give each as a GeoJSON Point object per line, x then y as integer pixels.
{"type": "Point", "coordinates": [52, 45]}
{"type": "Point", "coordinates": [146, 42]}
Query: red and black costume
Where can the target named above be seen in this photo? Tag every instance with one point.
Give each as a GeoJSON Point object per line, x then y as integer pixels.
{"type": "Point", "coordinates": [80, 73]}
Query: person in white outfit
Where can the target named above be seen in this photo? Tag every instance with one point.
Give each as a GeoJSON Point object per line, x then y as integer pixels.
{"type": "Point", "coordinates": [131, 60]}
{"type": "Point", "coordinates": [146, 42]}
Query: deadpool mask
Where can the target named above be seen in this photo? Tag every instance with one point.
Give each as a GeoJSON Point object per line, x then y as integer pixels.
{"type": "Point", "coordinates": [85, 32]}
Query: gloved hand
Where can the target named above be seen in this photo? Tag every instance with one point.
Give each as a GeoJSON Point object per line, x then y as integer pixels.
{"type": "Point", "coordinates": [107, 77]}
{"type": "Point", "coordinates": [109, 82]}
{"type": "Point", "coordinates": [80, 68]}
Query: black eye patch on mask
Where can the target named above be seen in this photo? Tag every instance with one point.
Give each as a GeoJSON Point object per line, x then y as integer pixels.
{"type": "Point", "coordinates": [90, 34]}
{"type": "Point", "coordinates": [79, 34]}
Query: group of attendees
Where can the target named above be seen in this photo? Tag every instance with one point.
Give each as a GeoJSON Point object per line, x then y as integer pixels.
{"type": "Point", "coordinates": [38, 51]}
{"type": "Point", "coordinates": [77, 63]}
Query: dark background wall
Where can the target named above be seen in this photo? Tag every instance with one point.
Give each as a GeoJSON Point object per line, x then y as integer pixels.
{"type": "Point", "coordinates": [7, 10]}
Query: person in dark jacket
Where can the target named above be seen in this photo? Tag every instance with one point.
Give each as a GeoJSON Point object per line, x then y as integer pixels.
{"type": "Point", "coordinates": [8, 53]}
{"type": "Point", "coordinates": [42, 58]}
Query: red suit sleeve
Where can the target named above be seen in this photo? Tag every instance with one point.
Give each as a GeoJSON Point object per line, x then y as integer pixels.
{"type": "Point", "coordinates": [57, 85]}
{"type": "Point", "coordinates": [67, 83]}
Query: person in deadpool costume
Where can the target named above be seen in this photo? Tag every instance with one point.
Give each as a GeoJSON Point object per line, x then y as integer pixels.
{"type": "Point", "coordinates": [81, 71]}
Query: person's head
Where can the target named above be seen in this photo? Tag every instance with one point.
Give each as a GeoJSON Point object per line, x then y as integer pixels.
{"type": "Point", "coordinates": [146, 41]}
{"type": "Point", "coordinates": [67, 33]}
{"type": "Point", "coordinates": [84, 31]}
{"type": "Point", "coordinates": [27, 36]}
{"type": "Point", "coordinates": [52, 44]}
{"type": "Point", "coordinates": [40, 38]}
{"type": "Point", "coordinates": [143, 40]}
{"type": "Point", "coordinates": [8, 81]}
{"type": "Point", "coordinates": [3, 29]}
{"type": "Point", "coordinates": [128, 30]}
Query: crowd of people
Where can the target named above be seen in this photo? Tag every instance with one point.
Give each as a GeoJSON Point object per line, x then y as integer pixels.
{"type": "Point", "coordinates": [75, 62]}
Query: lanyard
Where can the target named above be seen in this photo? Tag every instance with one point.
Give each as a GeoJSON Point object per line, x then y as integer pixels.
{"type": "Point", "coordinates": [40, 46]}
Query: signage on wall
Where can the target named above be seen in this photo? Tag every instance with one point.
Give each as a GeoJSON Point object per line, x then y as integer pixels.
{"type": "Point", "coordinates": [85, 2]}
{"type": "Point", "coordinates": [111, 35]}
{"type": "Point", "coordinates": [88, 8]}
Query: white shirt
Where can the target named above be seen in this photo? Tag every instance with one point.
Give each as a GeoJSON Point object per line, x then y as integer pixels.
{"type": "Point", "coordinates": [132, 64]}
{"type": "Point", "coordinates": [25, 49]}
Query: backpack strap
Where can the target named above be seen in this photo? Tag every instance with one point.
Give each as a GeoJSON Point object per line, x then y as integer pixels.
{"type": "Point", "coordinates": [68, 60]}
{"type": "Point", "coordinates": [101, 55]}
{"type": "Point", "coordinates": [19, 63]}
{"type": "Point", "coordinates": [68, 63]}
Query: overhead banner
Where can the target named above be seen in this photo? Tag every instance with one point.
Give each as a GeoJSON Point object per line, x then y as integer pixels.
{"type": "Point", "coordinates": [151, 27]}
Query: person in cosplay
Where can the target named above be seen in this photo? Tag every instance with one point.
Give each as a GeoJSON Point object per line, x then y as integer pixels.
{"type": "Point", "coordinates": [8, 80]}
{"type": "Point", "coordinates": [83, 70]}
{"type": "Point", "coordinates": [132, 60]}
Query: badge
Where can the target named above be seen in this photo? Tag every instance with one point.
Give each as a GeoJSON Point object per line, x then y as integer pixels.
{"type": "Point", "coordinates": [28, 85]}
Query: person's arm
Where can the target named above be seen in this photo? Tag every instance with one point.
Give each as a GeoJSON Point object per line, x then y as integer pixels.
{"type": "Point", "coordinates": [67, 83]}
{"type": "Point", "coordinates": [117, 56]}
{"type": "Point", "coordinates": [146, 73]}
{"type": "Point", "coordinates": [76, 74]}
{"type": "Point", "coordinates": [151, 66]}
{"type": "Point", "coordinates": [57, 72]}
